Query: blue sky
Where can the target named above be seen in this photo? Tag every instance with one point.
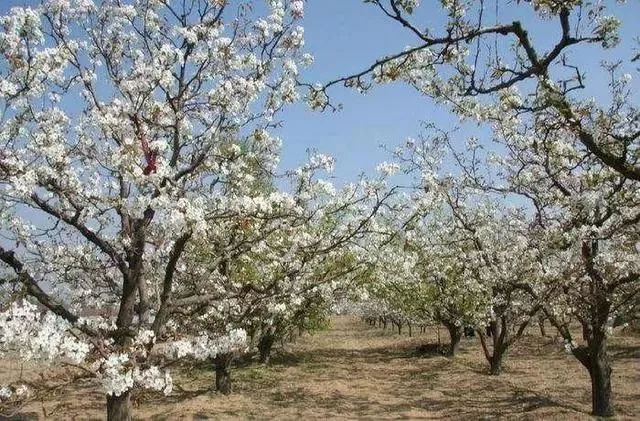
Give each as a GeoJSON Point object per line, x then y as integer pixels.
{"type": "Point", "coordinates": [346, 36]}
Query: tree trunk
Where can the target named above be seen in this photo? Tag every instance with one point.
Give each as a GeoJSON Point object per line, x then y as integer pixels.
{"type": "Point", "coordinates": [455, 333]}
{"type": "Point", "coordinates": [600, 374]}
{"type": "Point", "coordinates": [596, 362]}
{"type": "Point", "coordinates": [409, 325]}
{"type": "Point", "coordinates": [265, 346]}
{"type": "Point", "coordinates": [499, 344]}
{"type": "Point", "coordinates": [495, 362]}
{"type": "Point", "coordinates": [543, 331]}
{"type": "Point", "coordinates": [594, 358]}
{"type": "Point", "coordinates": [223, 373]}
{"type": "Point", "coordinates": [119, 407]}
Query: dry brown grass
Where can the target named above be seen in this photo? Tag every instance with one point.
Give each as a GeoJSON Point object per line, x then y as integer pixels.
{"type": "Point", "coordinates": [354, 371]}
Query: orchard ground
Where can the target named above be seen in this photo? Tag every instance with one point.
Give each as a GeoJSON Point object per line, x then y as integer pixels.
{"type": "Point", "coordinates": [354, 371]}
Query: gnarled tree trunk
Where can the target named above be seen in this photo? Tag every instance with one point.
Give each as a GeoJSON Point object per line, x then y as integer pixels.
{"type": "Point", "coordinates": [593, 356]}
{"type": "Point", "coordinates": [495, 363]}
{"type": "Point", "coordinates": [223, 373]}
{"type": "Point", "coordinates": [600, 374]}
{"type": "Point", "coordinates": [119, 407]}
{"type": "Point", "coordinates": [497, 332]}
{"type": "Point", "coordinates": [455, 334]}
{"type": "Point", "coordinates": [543, 331]}
{"type": "Point", "coordinates": [265, 346]}
{"type": "Point", "coordinates": [594, 359]}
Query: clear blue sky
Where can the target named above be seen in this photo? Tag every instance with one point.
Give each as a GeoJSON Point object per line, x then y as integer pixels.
{"type": "Point", "coordinates": [348, 35]}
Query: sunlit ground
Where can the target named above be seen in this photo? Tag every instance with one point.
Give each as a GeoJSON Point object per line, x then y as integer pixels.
{"type": "Point", "coordinates": [354, 371]}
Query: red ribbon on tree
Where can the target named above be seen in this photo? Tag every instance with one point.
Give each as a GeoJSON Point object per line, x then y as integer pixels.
{"type": "Point", "coordinates": [149, 155]}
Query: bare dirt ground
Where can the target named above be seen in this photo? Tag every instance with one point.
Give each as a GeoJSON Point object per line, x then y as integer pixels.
{"type": "Point", "coordinates": [354, 371]}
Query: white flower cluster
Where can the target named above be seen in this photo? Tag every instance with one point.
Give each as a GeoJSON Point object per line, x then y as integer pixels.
{"type": "Point", "coordinates": [13, 392]}
{"type": "Point", "coordinates": [322, 161]}
{"type": "Point", "coordinates": [204, 347]}
{"type": "Point", "coordinates": [40, 335]}
{"type": "Point", "coordinates": [297, 9]}
{"type": "Point", "coordinates": [569, 346]}
{"type": "Point", "coordinates": [277, 308]}
{"type": "Point", "coordinates": [388, 168]}
{"type": "Point", "coordinates": [118, 377]}
{"type": "Point", "coordinates": [145, 337]}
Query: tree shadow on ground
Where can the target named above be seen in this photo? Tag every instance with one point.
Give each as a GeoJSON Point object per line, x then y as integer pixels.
{"type": "Point", "coordinates": [178, 395]}
{"type": "Point", "coordinates": [624, 351]}
{"type": "Point", "coordinates": [347, 374]}
{"type": "Point", "coordinates": [475, 400]}
{"type": "Point", "coordinates": [449, 404]}
{"type": "Point", "coordinates": [377, 354]}
{"type": "Point", "coordinates": [20, 416]}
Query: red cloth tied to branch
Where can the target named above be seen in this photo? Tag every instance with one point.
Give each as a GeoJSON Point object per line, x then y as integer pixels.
{"type": "Point", "coordinates": [149, 155]}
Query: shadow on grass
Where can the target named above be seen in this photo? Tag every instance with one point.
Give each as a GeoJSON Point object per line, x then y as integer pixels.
{"type": "Point", "coordinates": [377, 354]}
{"type": "Point", "coordinates": [458, 405]}
{"type": "Point", "coordinates": [431, 350]}
{"type": "Point", "coordinates": [624, 351]}
{"type": "Point", "coordinates": [476, 399]}
{"type": "Point", "coordinates": [20, 416]}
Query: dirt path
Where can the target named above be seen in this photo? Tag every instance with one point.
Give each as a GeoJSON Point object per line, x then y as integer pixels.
{"type": "Point", "coordinates": [354, 371]}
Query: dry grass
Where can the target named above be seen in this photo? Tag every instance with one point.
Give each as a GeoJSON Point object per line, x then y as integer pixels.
{"type": "Point", "coordinates": [357, 372]}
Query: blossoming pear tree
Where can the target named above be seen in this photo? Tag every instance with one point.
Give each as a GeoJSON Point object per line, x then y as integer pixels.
{"type": "Point", "coordinates": [571, 157]}
{"type": "Point", "coordinates": [466, 251]}
{"type": "Point", "coordinates": [586, 237]}
{"type": "Point", "coordinates": [581, 241]}
{"type": "Point", "coordinates": [270, 271]}
{"type": "Point", "coordinates": [119, 125]}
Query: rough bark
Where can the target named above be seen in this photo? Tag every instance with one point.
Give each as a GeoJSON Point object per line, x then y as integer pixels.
{"type": "Point", "coordinates": [455, 334]}
{"type": "Point", "coordinates": [543, 331]}
{"type": "Point", "coordinates": [223, 373]}
{"type": "Point", "coordinates": [601, 402]}
{"type": "Point", "coordinates": [500, 341]}
{"type": "Point", "coordinates": [119, 407]}
{"type": "Point", "coordinates": [593, 356]}
{"type": "Point", "coordinates": [265, 346]}
{"type": "Point", "coordinates": [594, 359]}
{"type": "Point", "coordinates": [495, 362]}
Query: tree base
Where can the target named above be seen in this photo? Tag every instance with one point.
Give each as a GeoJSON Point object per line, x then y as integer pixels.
{"type": "Point", "coordinates": [119, 407]}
